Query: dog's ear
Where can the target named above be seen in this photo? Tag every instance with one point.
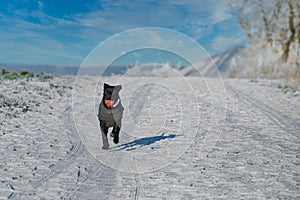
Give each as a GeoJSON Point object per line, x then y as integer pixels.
{"type": "Point", "coordinates": [105, 86]}
{"type": "Point", "coordinates": [118, 88]}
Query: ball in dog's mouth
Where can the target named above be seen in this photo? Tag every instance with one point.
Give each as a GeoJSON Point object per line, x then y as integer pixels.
{"type": "Point", "coordinates": [109, 103]}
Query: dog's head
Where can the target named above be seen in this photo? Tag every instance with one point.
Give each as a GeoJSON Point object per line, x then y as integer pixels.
{"type": "Point", "coordinates": [111, 94]}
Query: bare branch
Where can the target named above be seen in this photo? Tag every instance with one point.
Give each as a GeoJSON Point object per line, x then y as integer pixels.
{"type": "Point", "coordinates": [287, 44]}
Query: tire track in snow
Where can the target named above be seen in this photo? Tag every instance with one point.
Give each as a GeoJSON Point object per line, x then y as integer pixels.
{"type": "Point", "coordinates": [61, 165]}
{"type": "Point", "coordinates": [282, 146]}
{"type": "Point", "coordinates": [96, 169]}
{"type": "Point", "coordinates": [288, 126]}
{"type": "Point", "coordinates": [140, 100]}
{"type": "Point", "coordinates": [76, 150]}
{"type": "Point", "coordinates": [274, 115]}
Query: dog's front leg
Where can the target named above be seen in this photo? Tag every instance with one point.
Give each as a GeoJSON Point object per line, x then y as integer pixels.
{"type": "Point", "coordinates": [104, 131]}
{"type": "Point", "coordinates": [116, 131]}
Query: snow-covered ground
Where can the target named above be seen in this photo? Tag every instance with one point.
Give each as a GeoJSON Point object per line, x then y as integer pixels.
{"type": "Point", "coordinates": [181, 138]}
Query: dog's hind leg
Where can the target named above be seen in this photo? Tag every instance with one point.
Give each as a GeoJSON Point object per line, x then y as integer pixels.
{"type": "Point", "coordinates": [104, 131]}
{"type": "Point", "coordinates": [116, 131]}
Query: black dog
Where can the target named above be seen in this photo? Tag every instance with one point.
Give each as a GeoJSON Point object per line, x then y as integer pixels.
{"type": "Point", "coordinates": [110, 113]}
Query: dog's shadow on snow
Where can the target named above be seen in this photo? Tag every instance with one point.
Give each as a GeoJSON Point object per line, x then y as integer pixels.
{"type": "Point", "coordinates": [146, 141]}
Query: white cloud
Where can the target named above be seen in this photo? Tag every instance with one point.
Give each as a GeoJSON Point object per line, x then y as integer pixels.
{"type": "Point", "coordinates": [26, 42]}
{"type": "Point", "coordinates": [220, 13]}
{"type": "Point", "coordinates": [40, 5]}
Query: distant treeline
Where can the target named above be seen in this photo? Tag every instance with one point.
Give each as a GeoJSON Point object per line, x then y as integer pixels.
{"type": "Point", "coordinates": [23, 74]}
{"type": "Point", "coordinates": [69, 70]}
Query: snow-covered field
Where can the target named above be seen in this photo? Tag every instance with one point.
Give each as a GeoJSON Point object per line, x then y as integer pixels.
{"type": "Point", "coordinates": [180, 139]}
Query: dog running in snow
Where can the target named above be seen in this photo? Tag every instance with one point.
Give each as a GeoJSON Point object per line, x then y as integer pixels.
{"type": "Point", "coordinates": [110, 113]}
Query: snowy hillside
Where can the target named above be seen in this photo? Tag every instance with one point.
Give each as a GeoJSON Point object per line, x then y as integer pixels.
{"type": "Point", "coordinates": [182, 138]}
{"type": "Point", "coordinates": [226, 62]}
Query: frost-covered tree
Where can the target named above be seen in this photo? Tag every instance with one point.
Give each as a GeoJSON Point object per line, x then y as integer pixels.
{"type": "Point", "coordinates": [273, 31]}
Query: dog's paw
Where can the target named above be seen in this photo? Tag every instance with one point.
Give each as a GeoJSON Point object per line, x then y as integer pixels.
{"type": "Point", "coordinates": [105, 147]}
{"type": "Point", "coordinates": [116, 140]}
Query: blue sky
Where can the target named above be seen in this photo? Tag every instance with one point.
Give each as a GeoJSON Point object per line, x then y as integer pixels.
{"type": "Point", "coordinates": [63, 32]}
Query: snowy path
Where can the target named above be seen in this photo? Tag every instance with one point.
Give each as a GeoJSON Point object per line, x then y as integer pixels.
{"type": "Point", "coordinates": [170, 145]}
